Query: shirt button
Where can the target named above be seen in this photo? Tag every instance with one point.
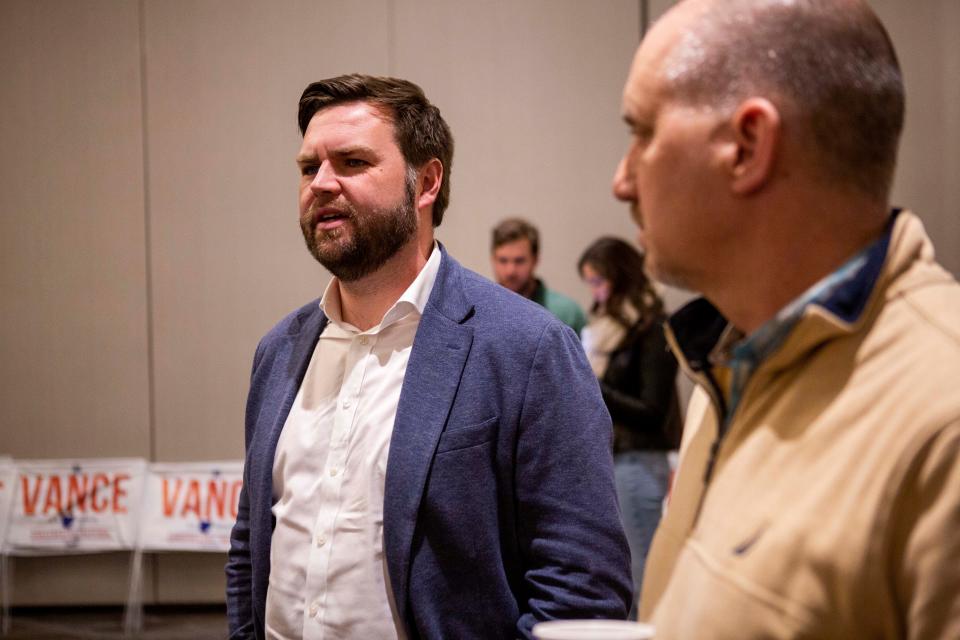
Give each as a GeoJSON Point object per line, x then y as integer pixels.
{"type": "Point", "coordinates": [333, 472]}
{"type": "Point", "coordinates": [346, 403]}
{"type": "Point", "coordinates": [364, 340]}
{"type": "Point", "coordinates": [321, 541]}
{"type": "Point", "coordinates": [314, 609]}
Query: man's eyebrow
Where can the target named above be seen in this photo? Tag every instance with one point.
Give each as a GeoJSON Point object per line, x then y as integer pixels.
{"type": "Point", "coordinates": [354, 149]}
{"type": "Point", "coordinates": [307, 158]}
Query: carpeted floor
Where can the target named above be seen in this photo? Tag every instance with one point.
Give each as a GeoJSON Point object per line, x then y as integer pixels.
{"type": "Point", "coordinates": [205, 622]}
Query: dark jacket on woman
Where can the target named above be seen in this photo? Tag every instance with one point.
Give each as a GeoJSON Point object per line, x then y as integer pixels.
{"type": "Point", "coordinates": [639, 387]}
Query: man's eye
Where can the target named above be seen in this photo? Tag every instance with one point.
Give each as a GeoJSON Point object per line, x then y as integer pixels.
{"type": "Point", "coordinates": [355, 163]}
{"type": "Point", "coordinates": [308, 170]}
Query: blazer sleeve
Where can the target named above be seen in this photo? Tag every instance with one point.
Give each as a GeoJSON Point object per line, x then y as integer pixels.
{"type": "Point", "coordinates": [239, 568]}
{"type": "Point", "coordinates": [577, 563]}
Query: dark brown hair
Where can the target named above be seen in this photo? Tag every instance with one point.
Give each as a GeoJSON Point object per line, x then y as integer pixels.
{"type": "Point", "coordinates": [420, 130]}
{"type": "Point", "coordinates": [622, 266]}
{"type": "Point", "coordinates": [513, 229]}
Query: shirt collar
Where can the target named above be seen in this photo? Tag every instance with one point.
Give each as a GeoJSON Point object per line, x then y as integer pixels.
{"type": "Point", "coordinates": [539, 293]}
{"type": "Point", "coordinates": [412, 300]}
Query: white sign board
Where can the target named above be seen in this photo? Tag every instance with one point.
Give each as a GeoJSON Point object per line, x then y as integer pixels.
{"type": "Point", "coordinates": [190, 506]}
{"type": "Point", "coordinates": [7, 476]}
{"type": "Point", "coordinates": [75, 505]}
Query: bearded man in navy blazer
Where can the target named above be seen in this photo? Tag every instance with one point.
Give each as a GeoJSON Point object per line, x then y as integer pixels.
{"type": "Point", "coordinates": [428, 454]}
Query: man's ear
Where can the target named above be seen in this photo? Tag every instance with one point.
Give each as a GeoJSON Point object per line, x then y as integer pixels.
{"type": "Point", "coordinates": [429, 177]}
{"type": "Point", "coordinates": [757, 131]}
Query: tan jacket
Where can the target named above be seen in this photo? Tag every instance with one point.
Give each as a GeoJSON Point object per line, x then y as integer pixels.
{"type": "Point", "coordinates": [833, 510]}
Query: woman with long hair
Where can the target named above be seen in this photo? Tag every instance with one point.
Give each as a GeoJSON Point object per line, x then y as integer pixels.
{"type": "Point", "coordinates": [627, 349]}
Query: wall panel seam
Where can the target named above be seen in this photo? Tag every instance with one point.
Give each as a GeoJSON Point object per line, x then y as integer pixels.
{"type": "Point", "coordinates": [148, 256]}
{"type": "Point", "coordinates": [148, 259]}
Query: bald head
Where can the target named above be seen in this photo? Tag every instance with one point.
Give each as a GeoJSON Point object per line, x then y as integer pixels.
{"type": "Point", "coordinates": [828, 64]}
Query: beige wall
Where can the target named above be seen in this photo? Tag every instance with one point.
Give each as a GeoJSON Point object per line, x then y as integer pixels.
{"type": "Point", "coordinates": [928, 173]}
{"type": "Point", "coordinates": [148, 231]}
{"type": "Point", "coordinates": [74, 365]}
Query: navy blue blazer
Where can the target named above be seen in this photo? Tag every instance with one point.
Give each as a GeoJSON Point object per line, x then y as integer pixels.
{"type": "Point", "coordinates": [499, 508]}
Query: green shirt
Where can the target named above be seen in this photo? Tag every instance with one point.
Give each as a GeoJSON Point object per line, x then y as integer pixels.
{"type": "Point", "coordinates": [568, 311]}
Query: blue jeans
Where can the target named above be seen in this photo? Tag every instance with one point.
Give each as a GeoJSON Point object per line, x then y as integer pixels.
{"type": "Point", "coordinates": [642, 478]}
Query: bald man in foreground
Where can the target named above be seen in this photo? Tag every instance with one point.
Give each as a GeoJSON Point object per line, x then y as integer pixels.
{"type": "Point", "coordinates": [818, 490]}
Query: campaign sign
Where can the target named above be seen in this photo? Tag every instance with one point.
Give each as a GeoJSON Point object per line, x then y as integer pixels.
{"type": "Point", "coordinates": [7, 477]}
{"type": "Point", "coordinates": [190, 506]}
{"type": "Point", "coordinates": [75, 505]}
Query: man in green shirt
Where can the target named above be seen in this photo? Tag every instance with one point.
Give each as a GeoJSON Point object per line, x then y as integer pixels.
{"type": "Point", "coordinates": [514, 253]}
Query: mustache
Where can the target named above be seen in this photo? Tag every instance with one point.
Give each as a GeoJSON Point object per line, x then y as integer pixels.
{"type": "Point", "coordinates": [317, 211]}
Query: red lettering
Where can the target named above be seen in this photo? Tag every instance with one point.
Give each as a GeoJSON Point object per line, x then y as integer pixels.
{"type": "Point", "coordinates": [119, 492]}
{"type": "Point", "coordinates": [191, 502]}
{"type": "Point", "coordinates": [30, 500]}
{"type": "Point", "coordinates": [216, 498]}
{"type": "Point", "coordinates": [235, 498]}
{"type": "Point", "coordinates": [54, 496]}
{"type": "Point", "coordinates": [169, 502]}
{"type": "Point", "coordinates": [99, 480]}
{"type": "Point", "coordinates": [77, 493]}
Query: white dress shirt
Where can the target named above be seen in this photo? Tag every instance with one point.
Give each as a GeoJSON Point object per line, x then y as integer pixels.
{"type": "Point", "coordinates": [328, 573]}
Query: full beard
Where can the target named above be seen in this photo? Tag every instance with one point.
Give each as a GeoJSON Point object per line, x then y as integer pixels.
{"type": "Point", "coordinates": [366, 240]}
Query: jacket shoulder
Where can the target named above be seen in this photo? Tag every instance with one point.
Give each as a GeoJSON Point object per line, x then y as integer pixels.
{"type": "Point", "coordinates": [498, 308]}
{"type": "Point", "coordinates": [936, 305]}
{"type": "Point", "coordinates": [292, 322]}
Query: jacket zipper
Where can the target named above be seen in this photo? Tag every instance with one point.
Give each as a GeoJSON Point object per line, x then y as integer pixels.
{"type": "Point", "coordinates": [702, 376]}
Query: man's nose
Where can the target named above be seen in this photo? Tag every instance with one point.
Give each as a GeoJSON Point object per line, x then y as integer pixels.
{"type": "Point", "coordinates": [624, 185]}
{"type": "Point", "coordinates": [325, 181]}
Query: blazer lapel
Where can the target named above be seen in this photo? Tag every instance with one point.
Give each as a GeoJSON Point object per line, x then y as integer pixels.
{"type": "Point", "coordinates": [430, 384]}
{"type": "Point", "coordinates": [293, 363]}
{"type": "Point", "coordinates": [303, 344]}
